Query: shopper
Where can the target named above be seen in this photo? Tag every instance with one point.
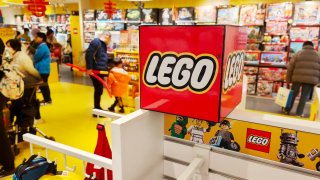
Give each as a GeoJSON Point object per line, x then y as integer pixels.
{"type": "Point", "coordinates": [303, 71]}
{"type": "Point", "coordinates": [33, 45]}
{"type": "Point", "coordinates": [118, 81]}
{"type": "Point", "coordinates": [18, 35]}
{"type": "Point", "coordinates": [97, 59]}
{"type": "Point", "coordinates": [41, 61]}
{"type": "Point", "coordinates": [51, 40]}
{"type": "Point", "coordinates": [6, 155]}
{"type": "Point", "coordinates": [2, 47]}
{"type": "Point", "coordinates": [25, 36]}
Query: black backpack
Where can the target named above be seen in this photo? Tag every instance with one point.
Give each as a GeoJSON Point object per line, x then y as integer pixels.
{"type": "Point", "coordinates": [35, 167]}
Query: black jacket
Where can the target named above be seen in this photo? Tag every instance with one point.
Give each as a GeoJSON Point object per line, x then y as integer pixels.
{"type": "Point", "coordinates": [96, 55]}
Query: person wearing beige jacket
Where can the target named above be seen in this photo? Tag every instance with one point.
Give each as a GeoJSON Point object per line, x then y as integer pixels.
{"type": "Point", "coordinates": [303, 71]}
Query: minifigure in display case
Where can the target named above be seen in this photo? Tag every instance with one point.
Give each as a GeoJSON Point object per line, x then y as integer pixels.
{"type": "Point", "coordinates": [313, 155]}
{"type": "Point", "coordinates": [288, 152]}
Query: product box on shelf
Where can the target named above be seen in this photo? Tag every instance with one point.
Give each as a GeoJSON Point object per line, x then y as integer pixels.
{"type": "Point", "coordinates": [89, 26]}
{"type": "Point", "coordinates": [264, 88]}
{"type": "Point", "coordinates": [228, 15]}
{"type": "Point", "coordinates": [133, 15]}
{"type": "Point", "coordinates": [165, 16]}
{"type": "Point", "coordinates": [272, 74]}
{"type": "Point", "coordinates": [251, 89]}
{"type": "Point", "coordinates": [252, 78]}
{"type": "Point", "coordinates": [194, 77]}
{"type": "Point", "coordinates": [275, 47]}
{"type": "Point", "coordinates": [274, 58]}
{"type": "Point", "coordinates": [89, 15]}
{"type": "Point", "coordinates": [253, 34]}
{"type": "Point", "coordinates": [206, 14]}
{"type": "Point", "coordinates": [307, 13]}
{"type": "Point", "coordinates": [150, 16]}
{"type": "Point", "coordinates": [186, 16]}
{"type": "Point", "coordinates": [279, 11]}
{"type": "Point", "coordinates": [252, 15]}
{"type": "Point", "coordinates": [297, 46]}
{"type": "Point", "coordinates": [304, 33]}
{"type": "Point", "coordinates": [250, 70]}
{"type": "Point", "coordinates": [252, 57]}
{"type": "Point", "coordinates": [276, 28]}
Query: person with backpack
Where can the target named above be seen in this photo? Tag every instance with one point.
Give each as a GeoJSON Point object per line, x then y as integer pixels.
{"type": "Point", "coordinates": [97, 59]}
{"type": "Point", "coordinates": [303, 71]}
{"type": "Point", "coordinates": [118, 82]}
{"type": "Point", "coordinates": [42, 61]}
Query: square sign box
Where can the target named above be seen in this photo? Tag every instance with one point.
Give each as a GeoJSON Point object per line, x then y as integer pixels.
{"type": "Point", "coordinates": [193, 71]}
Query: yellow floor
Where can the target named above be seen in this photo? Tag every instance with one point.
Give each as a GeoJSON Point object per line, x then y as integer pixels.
{"type": "Point", "coordinates": [69, 120]}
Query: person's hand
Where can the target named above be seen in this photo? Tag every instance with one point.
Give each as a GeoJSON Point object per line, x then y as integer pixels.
{"type": "Point", "coordinates": [89, 71]}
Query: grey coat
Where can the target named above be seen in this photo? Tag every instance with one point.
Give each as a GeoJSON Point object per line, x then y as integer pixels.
{"type": "Point", "coordinates": [304, 67]}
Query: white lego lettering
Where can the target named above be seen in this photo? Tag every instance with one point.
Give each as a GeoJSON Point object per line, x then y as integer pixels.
{"type": "Point", "coordinates": [233, 70]}
{"type": "Point", "coordinates": [258, 140]}
{"type": "Point", "coordinates": [181, 71]}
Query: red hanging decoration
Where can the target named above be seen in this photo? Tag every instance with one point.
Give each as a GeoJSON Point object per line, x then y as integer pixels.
{"type": "Point", "coordinates": [109, 8]}
{"type": "Point", "coordinates": [37, 7]}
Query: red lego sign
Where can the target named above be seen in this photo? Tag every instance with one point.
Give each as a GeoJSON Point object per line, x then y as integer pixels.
{"type": "Point", "coordinates": [189, 70]}
{"type": "Point", "coordinates": [258, 140]}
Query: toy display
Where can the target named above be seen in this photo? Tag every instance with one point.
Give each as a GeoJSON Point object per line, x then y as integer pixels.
{"type": "Point", "coordinates": [297, 46]}
{"type": "Point", "coordinates": [275, 28]}
{"type": "Point", "coordinates": [273, 57]}
{"type": "Point", "coordinates": [252, 57]}
{"type": "Point", "coordinates": [272, 74]}
{"type": "Point", "coordinates": [52, 19]}
{"type": "Point", "coordinates": [264, 88]}
{"type": "Point", "coordinates": [307, 13]}
{"type": "Point", "coordinates": [133, 15]}
{"type": "Point", "coordinates": [253, 33]}
{"type": "Point", "coordinates": [252, 46]}
{"type": "Point", "coordinates": [186, 14]}
{"type": "Point", "coordinates": [228, 15]}
{"type": "Point", "coordinates": [206, 14]}
{"type": "Point", "coordinates": [90, 26]}
{"type": "Point", "coordinates": [279, 11]}
{"type": "Point", "coordinates": [166, 16]}
{"type": "Point", "coordinates": [304, 33]}
{"type": "Point", "coordinates": [89, 15]}
{"type": "Point", "coordinates": [223, 138]}
{"type": "Point", "coordinates": [150, 16]}
{"type": "Point", "coordinates": [288, 152]}
{"type": "Point", "coordinates": [133, 26]}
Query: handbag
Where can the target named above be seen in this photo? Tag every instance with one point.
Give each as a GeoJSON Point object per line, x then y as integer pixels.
{"type": "Point", "coordinates": [284, 97]}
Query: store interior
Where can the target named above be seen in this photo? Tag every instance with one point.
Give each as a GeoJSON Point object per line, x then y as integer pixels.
{"type": "Point", "coordinates": [276, 30]}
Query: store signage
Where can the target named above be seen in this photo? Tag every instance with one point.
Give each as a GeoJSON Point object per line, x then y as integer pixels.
{"type": "Point", "coordinates": [37, 7]}
{"type": "Point", "coordinates": [109, 8]}
{"type": "Point", "coordinates": [258, 140]}
{"type": "Point", "coordinates": [234, 70]}
{"type": "Point", "coordinates": [183, 70]}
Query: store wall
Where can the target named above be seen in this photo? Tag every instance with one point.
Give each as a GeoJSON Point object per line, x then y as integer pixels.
{"type": "Point", "coordinates": [8, 14]}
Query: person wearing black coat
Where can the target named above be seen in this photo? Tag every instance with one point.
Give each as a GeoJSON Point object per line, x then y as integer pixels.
{"type": "Point", "coordinates": [97, 59]}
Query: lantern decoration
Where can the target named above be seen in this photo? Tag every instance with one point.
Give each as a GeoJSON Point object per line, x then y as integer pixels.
{"type": "Point", "coordinates": [110, 8]}
{"type": "Point", "coordinates": [37, 7]}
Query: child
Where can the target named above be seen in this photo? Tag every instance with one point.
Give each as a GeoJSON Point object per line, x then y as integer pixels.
{"type": "Point", "coordinates": [118, 81]}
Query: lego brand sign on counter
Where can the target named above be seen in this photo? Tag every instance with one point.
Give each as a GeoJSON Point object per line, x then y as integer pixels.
{"type": "Point", "coordinates": [192, 69]}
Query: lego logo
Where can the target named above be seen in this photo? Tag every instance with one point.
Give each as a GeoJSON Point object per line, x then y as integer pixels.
{"type": "Point", "coordinates": [181, 71]}
{"type": "Point", "coordinates": [233, 70]}
{"type": "Point", "coordinates": [258, 140]}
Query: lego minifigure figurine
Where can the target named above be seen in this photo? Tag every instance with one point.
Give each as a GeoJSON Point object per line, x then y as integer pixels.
{"type": "Point", "coordinates": [288, 152]}
{"type": "Point", "coordinates": [224, 138]}
{"type": "Point", "coordinates": [178, 128]}
{"type": "Point", "coordinates": [313, 155]}
{"type": "Point", "coordinates": [197, 131]}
